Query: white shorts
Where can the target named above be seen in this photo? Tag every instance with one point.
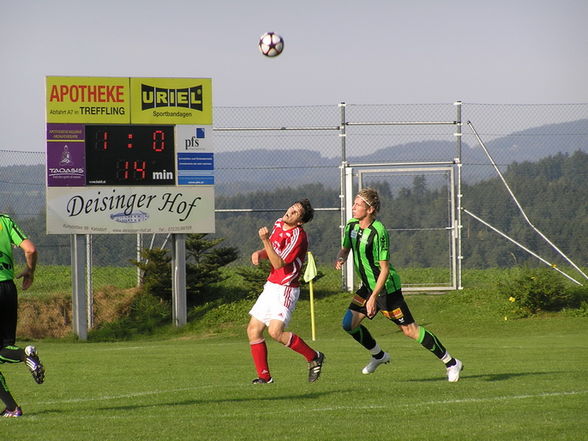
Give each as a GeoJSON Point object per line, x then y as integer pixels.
{"type": "Point", "coordinates": [276, 302]}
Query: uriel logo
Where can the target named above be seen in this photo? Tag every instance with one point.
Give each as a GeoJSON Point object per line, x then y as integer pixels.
{"type": "Point", "coordinates": [154, 97]}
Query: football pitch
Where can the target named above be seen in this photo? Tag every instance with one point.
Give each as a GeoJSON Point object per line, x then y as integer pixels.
{"type": "Point", "coordinates": [528, 383]}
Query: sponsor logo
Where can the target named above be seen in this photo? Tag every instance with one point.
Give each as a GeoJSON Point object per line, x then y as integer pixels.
{"type": "Point", "coordinates": [194, 141]}
{"type": "Point", "coordinates": [66, 156]}
{"type": "Point", "coordinates": [133, 218]}
{"type": "Point", "coordinates": [358, 300]}
{"type": "Point", "coordinates": [188, 97]}
{"type": "Point", "coordinates": [86, 93]}
{"type": "Point", "coordinates": [394, 314]}
{"type": "Point", "coordinates": [397, 313]}
{"type": "Point", "coordinates": [65, 172]}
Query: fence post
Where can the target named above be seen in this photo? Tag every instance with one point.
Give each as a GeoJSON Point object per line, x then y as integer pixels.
{"type": "Point", "coordinates": [89, 284]}
{"type": "Point", "coordinates": [458, 137]}
{"type": "Point", "coordinates": [343, 194]}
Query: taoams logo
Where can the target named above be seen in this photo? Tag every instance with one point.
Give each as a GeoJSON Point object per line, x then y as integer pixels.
{"type": "Point", "coordinates": [188, 97]}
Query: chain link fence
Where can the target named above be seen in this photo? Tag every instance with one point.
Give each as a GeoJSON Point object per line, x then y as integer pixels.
{"type": "Point", "coordinates": [268, 151]}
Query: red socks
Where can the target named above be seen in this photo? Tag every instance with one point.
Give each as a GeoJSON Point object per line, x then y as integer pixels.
{"type": "Point", "coordinates": [298, 345]}
{"type": "Point", "coordinates": [259, 353]}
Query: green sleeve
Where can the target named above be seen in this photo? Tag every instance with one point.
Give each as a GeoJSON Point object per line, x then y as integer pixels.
{"type": "Point", "coordinates": [383, 243]}
{"type": "Point", "coordinates": [346, 240]}
{"type": "Point", "coordinates": [16, 234]}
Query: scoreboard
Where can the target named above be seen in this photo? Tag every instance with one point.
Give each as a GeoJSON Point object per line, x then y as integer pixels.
{"type": "Point", "coordinates": [129, 155]}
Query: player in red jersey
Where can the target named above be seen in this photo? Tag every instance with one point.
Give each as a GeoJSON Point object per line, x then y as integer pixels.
{"type": "Point", "coordinates": [285, 249]}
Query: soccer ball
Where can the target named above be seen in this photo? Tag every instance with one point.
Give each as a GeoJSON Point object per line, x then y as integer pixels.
{"type": "Point", "coordinates": [271, 44]}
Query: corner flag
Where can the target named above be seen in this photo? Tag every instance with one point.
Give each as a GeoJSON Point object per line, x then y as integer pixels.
{"type": "Point", "coordinates": [310, 272]}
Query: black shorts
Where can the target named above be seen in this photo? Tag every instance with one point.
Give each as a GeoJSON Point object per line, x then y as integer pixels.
{"type": "Point", "coordinates": [8, 313]}
{"type": "Point", "coordinates": [392, 305]}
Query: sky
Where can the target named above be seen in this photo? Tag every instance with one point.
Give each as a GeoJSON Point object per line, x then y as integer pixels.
{"type": "Point", "coordinates": [358, 52]}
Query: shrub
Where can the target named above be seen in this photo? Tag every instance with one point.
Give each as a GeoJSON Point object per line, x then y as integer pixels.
{"type": "Point", "coordinates": [203, 262]}
{"type": "Point", "coordinates": [254, 277]}
{"type": "Point", "coordinates": [539, 289]}
{"type": "Point", "coordinates": [144, 315]}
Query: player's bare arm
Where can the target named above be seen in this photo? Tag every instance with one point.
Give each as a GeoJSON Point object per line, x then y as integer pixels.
{"type": "Point", "coordinates": [258, 256]}
{"type": "Point", "coordinates": [371, 302]}
{"type": "Point", "coordinates": [341, 258]}
{"type": "Point", "coordinates": [275, 260]}
{"type": "Point", "coordinates": [28, 274]}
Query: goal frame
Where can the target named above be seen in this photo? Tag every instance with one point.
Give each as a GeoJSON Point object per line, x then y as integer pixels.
{"type": "Point", "coordinates": [355, 175]}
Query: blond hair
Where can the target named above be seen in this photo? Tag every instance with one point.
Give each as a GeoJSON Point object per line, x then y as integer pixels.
{"type": "Point", "coordinates": [370, 197]}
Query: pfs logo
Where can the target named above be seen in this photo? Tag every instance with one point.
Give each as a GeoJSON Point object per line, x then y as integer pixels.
{"type": "Point", "coordinates": [194, 141]}
{"type": "Point", "coordinates": [190, 97]}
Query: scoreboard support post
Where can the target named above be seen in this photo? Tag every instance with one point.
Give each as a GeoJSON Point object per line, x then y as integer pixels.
{"type": "Point", "coordinates": [179, 308]}
{"type": "Point", "coordinates": [78, 274]}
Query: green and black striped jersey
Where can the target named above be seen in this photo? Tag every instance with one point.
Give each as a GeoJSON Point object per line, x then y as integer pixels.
{"type": "Point", "coordinates": [10, 234]}
{"type": "Point", "coordinates": [370, 246]}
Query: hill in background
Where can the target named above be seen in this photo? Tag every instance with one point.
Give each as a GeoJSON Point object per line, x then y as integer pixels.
{"type": "Point", "coordinates": [22, 187]}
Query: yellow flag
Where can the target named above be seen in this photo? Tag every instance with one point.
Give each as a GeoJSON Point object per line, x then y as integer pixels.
{"type": "Point", "coordinates": [310, 272]}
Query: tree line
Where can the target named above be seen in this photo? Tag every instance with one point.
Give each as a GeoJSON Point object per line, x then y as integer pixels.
{"type": "Point", "coordinates": [552, 191]}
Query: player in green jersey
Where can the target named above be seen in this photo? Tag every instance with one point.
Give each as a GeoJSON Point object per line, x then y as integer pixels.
{"type": "Point", "coordinates": [380, 288]}
{"type": "Point", "coordinates": [11, 235]}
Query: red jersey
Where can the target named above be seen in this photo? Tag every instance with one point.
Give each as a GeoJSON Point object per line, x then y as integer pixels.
{"type": "Point", "coordinates": [291, 246]}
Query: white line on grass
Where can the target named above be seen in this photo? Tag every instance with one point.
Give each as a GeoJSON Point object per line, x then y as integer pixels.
{"type": "Point", "coordinates": [458, 401]}
{"type": "Point", "coordinates": [320, 409]}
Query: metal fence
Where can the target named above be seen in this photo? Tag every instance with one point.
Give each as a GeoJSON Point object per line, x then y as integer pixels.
{"type": "Point", "coordinates": [265, 149]}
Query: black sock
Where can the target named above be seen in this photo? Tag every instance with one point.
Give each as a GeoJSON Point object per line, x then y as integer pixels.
{"type": "Point", "coordinates": [363, 337]}
{"type": "Point", "coordinates": [431, 342]}
{"type": "Point", "coordinates": [5, 394]}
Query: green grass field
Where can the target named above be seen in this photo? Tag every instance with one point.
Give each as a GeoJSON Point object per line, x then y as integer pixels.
{"type": "Point", "coordinates": [523, 380]}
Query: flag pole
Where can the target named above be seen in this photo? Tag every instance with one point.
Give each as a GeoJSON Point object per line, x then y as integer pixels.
{"type": "Point", "coordinates": [309, 275]}
{"type": "Point", "coordinates": [312, 326]}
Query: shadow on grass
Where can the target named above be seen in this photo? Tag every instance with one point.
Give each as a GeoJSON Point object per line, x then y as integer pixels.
{"type": "Point", "coordinates": [501, 376]}
{"type": "Point", "coordinates": [306, 396]}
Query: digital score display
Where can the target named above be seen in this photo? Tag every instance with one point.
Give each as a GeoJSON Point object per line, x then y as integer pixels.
{"type": "Point", "coordinates": [130, 155]}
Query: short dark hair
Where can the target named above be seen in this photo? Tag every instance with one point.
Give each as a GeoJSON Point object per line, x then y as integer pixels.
{"type": "Point", "coordinates": [308, 211]}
